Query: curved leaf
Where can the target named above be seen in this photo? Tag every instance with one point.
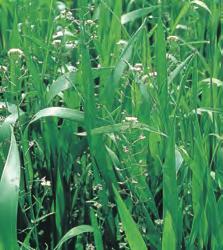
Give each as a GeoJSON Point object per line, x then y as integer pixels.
{"type": "Point", "coordinates": [9, 188]}
{"type": "Point", "coordinates": [13, 110]}
{"type": "Point", "coordinates": [62, 83]}
{"type": "Point", "coordinates": [68, 81]}
{"type": "Point", "coordinates": [59, 112]}
{"type": "Point", "coordinates": [74, 232]}
{"type": "Point", "coordinates": [202, 4]}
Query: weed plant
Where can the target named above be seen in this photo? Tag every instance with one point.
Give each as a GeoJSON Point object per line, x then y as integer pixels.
{"type": "Point", "coordinates": [111, 124]}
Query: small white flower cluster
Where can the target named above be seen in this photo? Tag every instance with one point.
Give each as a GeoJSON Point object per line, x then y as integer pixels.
{"type": "Point", "coordinates": [95, 203]}
{"type": "Point", "coordinates": [138, 67]}
{"type": "Point", "coordinates": [15, 52]}
{"type": "Point", "coordinates": [2, 106]}
{"type": "Point", "coordinates": [62, 33]}
{"type": "Point", "coordinates": [90, 247]}
{"type": "Point", "coordinates": [122, 43]}
{"type": "Point", "coordinates": [173, 38]}
{"type": "Point", "coordinates": [159, 222]}
{"type": "Point", "coordinates": [140, 72]}
{"type": "Point", "coordinates": [65, 15]}
{"type": "Point", "coordinates": [3, 69]}
{"type": "Point", "coordinates": [131, 119]}
{"type": "Point", "coordinates": [45, 183]}
{"type": "Point", "coordinates": [90, 22]}
{"type": "Point", "coordinates": [65, 38]}
{"type": "Point", "coordinates": [212, 174]}
{"type": "Point", "coordinates": [67, 68]}
{"type": "Point", "coordinates": [111, 205]}
{"type": "Point", "coordinates": [98, 187]}
{"type": "Point", "coordinates": [121, 229]}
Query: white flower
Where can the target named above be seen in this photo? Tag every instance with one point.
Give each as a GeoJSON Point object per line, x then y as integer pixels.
{"type": "Point", "coordinates": [122, 42]}
{"type": "Point", "coordinates": [3, 68]}
{"type": "Point", "coordinates": [131, 119]}
{"type": "Point", "coordinates": [2, 106]}
{"type": "Point", "coordinates": [145, 77]}
{"type": "Point", "coordinates": [16, 52]}
{"type": "Point", "coordinates": [71, 45]}
{"type": "Point", "coordinates": [62, 33]}
{"type": "Point", "coordinates": [56, 43]}
{"type": "Point", "coordinates": [153, 74]}
{"type": "Point", "coordinates": [158, 222]}
{"type": "Point", "coordinates": [91, 22]}
{"type": "Point", "coordinates": [212, 174]}
{"type": "Point", "coordinates": [138, 67]}
{"type": "Point", "coordinates": [173, 38]}
{"type": "Point", "coordinates": [45, 183]}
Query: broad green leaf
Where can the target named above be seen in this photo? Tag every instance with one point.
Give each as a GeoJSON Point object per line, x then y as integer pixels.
{"type": "Point", "coordinates": [169, 239]}
{"type": "Point", "coordinates": [14, 111]}
{"type": "Point", "coordinates": [132, 232]}
{"type": "Point", "coordinates": [97, 233]}
{"type": "Point", "coordinates": [214, 81]}
{"type": "Point", "coordinates": [122, 127]}
{"type": "Point", "coordinates": [135, 14]}
{"type": "Point", "coordinates": [65, 113]}
{"type": "Point", "coordinates": [199, 167]}
{"type": "Point", "coordinates": [9, 188]}
{"type": "Point", "coordinates": [64, 82]}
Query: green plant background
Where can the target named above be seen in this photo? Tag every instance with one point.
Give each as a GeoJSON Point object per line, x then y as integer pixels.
{"type": "Point", "coordinates": [111, 124]}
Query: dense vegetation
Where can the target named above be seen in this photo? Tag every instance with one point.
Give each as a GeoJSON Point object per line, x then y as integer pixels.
{"type": "Point", "coordinates": [111, 124]}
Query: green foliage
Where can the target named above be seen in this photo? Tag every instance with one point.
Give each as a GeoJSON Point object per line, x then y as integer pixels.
{"type": "Point", "coordinates": [111, 124]}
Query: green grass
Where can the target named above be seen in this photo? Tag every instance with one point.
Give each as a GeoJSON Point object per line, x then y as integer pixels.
{"type": "Point", "coordinates": [111, 124]}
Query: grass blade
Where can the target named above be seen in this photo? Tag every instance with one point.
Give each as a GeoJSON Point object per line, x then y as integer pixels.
{"type": "Point", "coordinates": [113, 81]}
{"type": "Point", "coordinates": [65, 113]}
{"type": "Point", "coordinates": [135, 14]}
{"type": "Point", "coordinates": [133, 235]}
{"type": "Point", "coordinates": [97, 233]}
{"type": "Point", "coordinates": [9, 186]}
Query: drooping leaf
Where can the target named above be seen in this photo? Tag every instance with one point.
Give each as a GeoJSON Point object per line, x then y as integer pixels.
{"type": "Point", "coordinates": [65, 113]}
{"type": "Point", "coordinates": [201, 4]}
{"type": "Point", "coordinates": [74, 232]}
